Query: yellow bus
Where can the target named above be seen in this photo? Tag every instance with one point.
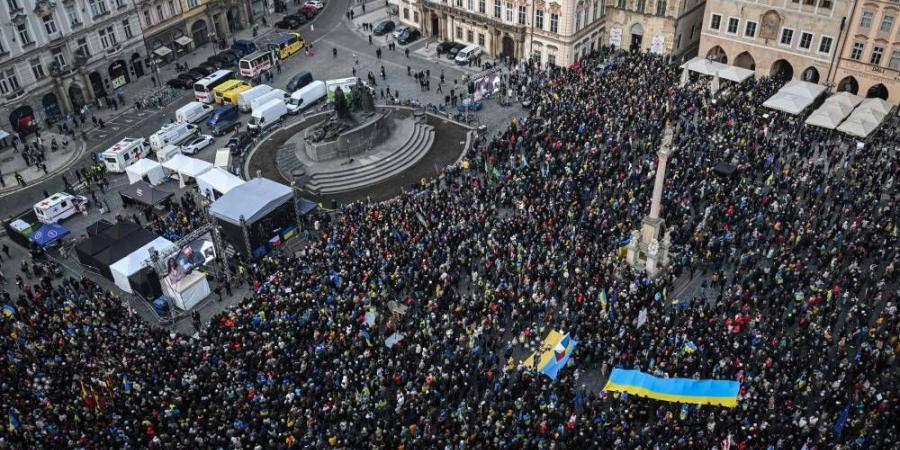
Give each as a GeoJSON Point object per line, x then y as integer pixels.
{"type": "Point", "coordinates": [286, 45]}
{"type": "Point", "coordinates": [231, 97]}
{"type": "Point", "coordinates": [220, 90]}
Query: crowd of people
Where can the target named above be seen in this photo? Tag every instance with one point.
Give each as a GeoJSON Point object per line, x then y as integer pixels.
{"type": "Point", "coordinates": [794, 254]}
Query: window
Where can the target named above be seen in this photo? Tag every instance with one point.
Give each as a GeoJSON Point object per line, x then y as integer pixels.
{"type": "Point", "coordinates": [37, 69]}
{"type": "Point", "coordinates": [497, 8]}
{"type": "Point", "coordinates": [470, 5]}
{"type": "Point", "coordinates": [126, 27]}
{"type": "Point", "coordinates": [715, 21]}
{"type": "Point", "coordinates": [406, 13]}
{"type": "Point", "coordinates": [825, 44]}
{"type": "Point", "coordinates": [98, 7]}
{"type": "Point", "coordinates": [459, 33]}
{"type": "Point", "coordinates": [856, 52]}
{"type": "Point", "coordinates": [894, 63]}
{"type": "Point", "coordinates": [481, 6]}
{"type": "Point", "coordinates": [148, 20]}
{"type": "Point", "coordinates": [554, 23]}
{"type": "Point", "coordinates": [192, 3]}
{"type": "Point", "coordinates": [9, 82]}
{"type": "Point", "coordinates": [22, 28]}
{"type": "Point", "coordinates": [597, 9]}
{"type": "Point", "coordinates": [59, 57]}
{"type": "Point", "coordinates": [107, 37]}
{"type": "Point", "coordinates": [416, 16]}
{"type": "Point", "coordinates": [83, 47]}
{"type": "Point", "coordinates": [459, 3]}
{"type": "Point", "coordinates": [539, 19]}
{"type": "Point", "coordinates": [733, 23]}
{"type": "Point", "coordinates": [866, 20]}
{"type": "Point", "coordinates": [470, 36]}
{"type": "Point", "coordinates": [536, 56]}
{"type": "Point", "coordinates": [13, 5]}
{"type": "Point", "coordinates": [750, 29]}
{"type": "Point", "coordinates": [787, 36]}
{"type": "Point", "coordinates": [551, 59]}
{"type": "Point", "coordinates": [805, 40]}
{"type": "Point", "coordinates": [578, 16]}
{"type": "Point", "coordinates": [50, 26]}
{"type": "Point", "coordinates": [641, 6]}
{"type": "Point", "coordinates": [120, 4]}
{"type": "Point", "coordinates": [172, 10]}
{"type": "Point", "coordinates": [887, 22]}
{"type": "Point", "coordinates": [509, 12]}
{"type": "Point", "coordinates": [825, 4]}
{"type": "Point", "coordinates": [521, 14]}
{"type": "Point", "coordinates": [620, 4]}
{"type": "Point", "coordinates": [877, 53]}
{"type": "Point", "coordinates": [72, 14]}
{"type": "Point", "coordinates": [481, 39]}
{"type": "Point", "coordinates": [159, 13]}
{"type": "Point", "coordinates": [660, 7]}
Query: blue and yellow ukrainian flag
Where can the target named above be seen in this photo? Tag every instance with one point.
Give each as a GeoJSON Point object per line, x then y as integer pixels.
{"type": "Point", "coordinates": [13, 424]}
{"type": "Point", "coordinates": [559, 348]}
{"type": "Point", "coordinates": [679, 390]}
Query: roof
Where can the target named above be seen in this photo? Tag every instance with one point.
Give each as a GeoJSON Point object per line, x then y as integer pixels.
{"type": "Point", "coordinates": [704, 66]}
{"type": "Point", "coordinates": [145, 193]}
{"type": "Point", "coordinates": [803, 89]}
{"type": "Point", "coordinates": [124, 145]}
{"type": "Point", "coordinates": [786, 102]}
{"type": "Point", "coordinates": [251, 200]}
{"type": "Point", "coordinates": [142, 166]}
{"type": "Point", "coordinates": [186, 165]}
{"type": "Point", "coordinates": [220, 180]}
{"type": "Point", "coordinates": [115, 242]}
{"type": "Point", "coordinates": [48, 234]}
{"type": "Point", "coordinates": [736, 74]}
{"type": "Point", "coordinates": [134, 260]}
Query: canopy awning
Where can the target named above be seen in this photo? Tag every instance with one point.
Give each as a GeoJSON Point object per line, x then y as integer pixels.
{"type": "Point", "coordinates": [866, 117]}
{"type": "Point", "coordinates": [251, 200]}
{"type": "Point", "coordinates": [48, 234]}
{"type": "Point", "coordinates": [703, 66]}
{"type": "Point", "coordinates": [184, 41]}
{"type": "Point", "coordinates": [803, 89]}
{"type": "Point", "coordinates": [162, 51]}
{"type": "Point", "coordinates": [736, 74]}
{"type": "Point", "coordinates": [789, 103]}
{"type": "Point", "coordinates": [142, 192]}
{"type": "Point", "coordinates": [185, 165]}
{"type": "Point", "coordinates": [856, 126]}
{"type": "Point", "coordinates": [219, 180]}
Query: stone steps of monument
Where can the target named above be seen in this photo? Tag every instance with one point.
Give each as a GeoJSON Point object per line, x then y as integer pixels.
{"type": "Point", "coordinates": [382, 175]}
{"type": "Point", "coordinates": [287, 161]}
{"type": "Point", "coordinates": [386, 168]}
{"type": "Point", "coordinates": [418, 134]}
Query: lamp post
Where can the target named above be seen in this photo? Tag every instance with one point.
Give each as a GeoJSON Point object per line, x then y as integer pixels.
{"type": "Point", "coordinates": [215, 45]}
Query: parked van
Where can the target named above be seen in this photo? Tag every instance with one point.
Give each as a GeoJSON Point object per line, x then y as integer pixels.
{"type": "Point", "coordinates": [231, 97]}
{"type": "Point", "coordinates": [245, 98]}
{"type": "Point", "coordinates": [223, 119]}
{"type": "Point", "coordinates": [468, 54]}
{"type": "Point", "coordinates": [274, 94]}
{"type": "Point", "coordinates": [125, 153]}
{"type": "Point", "coordinates": [193, 112]}
{"type": "Point", "coordinates": [299, 81]}
{"type": "Point", "coordinates": [306, 96]}
{"type": "Point", "coordinates": [343, 83]}
{"type": "Point", "coordinates": [172, 134]}
{"type": "Point", "coordinates": [219, 91]}
{"type": "Point", "coordinates": [167, 152]}
{"type": "Point", "coordinates": [59, 206]}
{"type": "Point", "coordinates": [267, 115]}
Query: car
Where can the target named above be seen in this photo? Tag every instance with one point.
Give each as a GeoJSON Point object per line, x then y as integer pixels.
{"type": "Point", "coordinates": [410, 36]}
{"type": "Point", "coordinates": [226, 59]}
{"type": "Point", "coordinates": [287, 24]}
{"type": "Point", "coordinates": [400, 30]}
{"type": "Point", "coordinates": [309, 11]}
{"type": "Point", "coordinates": [318, 4]}
{"type": "Point", "coordinates": [243, 47]}
{"type": "Point", "coordinates": [443, 47]}
{"type": "Point", "coordinates": [239, 142]}
{"type": "Point", "coordinates": [298, 81]}
{"type": "Point", "coordinates": [203, 69]}
{"type": "Point", "coordinates": [299, 18]}
{"type": "Point", "coordinates": [193, 146]}
{"type": "Point", "coordinates": [451, 54]}
{"type": "Point", "coordinates": [180, 83]}
{"type": "Point", "coordinates": [195, 73]}
{"type": "Point", "coordinates": [384, 28]}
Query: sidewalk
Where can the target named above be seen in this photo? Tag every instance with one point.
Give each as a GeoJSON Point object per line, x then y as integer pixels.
{"type": "Point", "coordinates": [13, 162]}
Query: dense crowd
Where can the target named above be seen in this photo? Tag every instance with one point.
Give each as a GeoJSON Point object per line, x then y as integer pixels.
{"type": "Point", "coordinates": [794, 255]}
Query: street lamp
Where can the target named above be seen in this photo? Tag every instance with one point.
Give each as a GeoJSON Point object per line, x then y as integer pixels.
{"type": "Point", "coordinates": [215, 46]}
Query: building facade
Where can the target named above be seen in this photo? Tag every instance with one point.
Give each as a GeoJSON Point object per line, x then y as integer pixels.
{"type": "Point", "coordinates": [869, 61]}
{"type": "Point", "coordinates": [788, 38]}
{"type": "Point", "coordinates": [56, 56]}
{"type": "Point", "coordinates": [656, 26]}
{"type": "Point", "coordinates": [163, 27]}
{"type": "Point", "coordinates": [550, 32]}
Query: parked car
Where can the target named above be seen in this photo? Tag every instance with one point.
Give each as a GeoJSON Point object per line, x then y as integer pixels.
{"type": "Point", "coordinates": [298, 81]}
{"type": "Point", "coordinates": [196, 74]}
{"type": "Point", "coordinates": [225, 59]}
{"type": "Point", "coordinates": [180, 83]}
{"type": "Point", "coordinates": [203, 69]}
{"type": "Point", "coordinates": [451, 54]}
{"type": "Point", "coordinates": [318, 4]}
{"type": "Point", "coordinates": [400, 30]}
{"type": "Point", "coordinates": [299, 18]}
{"type": "Point", "coordinates": [239, 142]}
{"type": "Point", "coordinates": [287, 24]}
{"type": "Point", "coordinates": [193, 76]}
{"type": "Point", "coordinates": [244, 47]}
{"type": "Point", "coordinates": [309, 11]}
{"type": "Point", "coordinates": [384, 28]}
{"type": "Point", "coordinates": [409, 36]}
{"type": "Point", "coordinates": [196, 144]}
{"type": "Point", "coordinates": [445, 46]}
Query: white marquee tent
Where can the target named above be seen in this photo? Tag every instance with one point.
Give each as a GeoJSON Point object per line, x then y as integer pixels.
{"type": "Point", "coordinates": [124, 268]}
{"type": "Point", "coordinates": [835, 109]}
{"type": "Point", "coordinates": [866, 117]}
{"type": "Point", "coordinates": [186, 167]}
{"type": "Point", "coordinates": [217, 182]}
{"type": "Point", "coordinates": [794, 97]}
{"type": "Point", "coordinates": [704, 66]}
{"type": "Point", "coordinates": [146, 169]}
{"type": "Point", "coordinates": [736, 74]}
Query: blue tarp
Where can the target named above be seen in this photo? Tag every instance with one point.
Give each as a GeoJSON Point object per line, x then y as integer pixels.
{"type": "Point", "coordinates": [48, 234]}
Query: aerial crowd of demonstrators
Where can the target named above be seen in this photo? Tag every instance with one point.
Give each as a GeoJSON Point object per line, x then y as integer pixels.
{"type": "Point", "coordinates": [795, 252]}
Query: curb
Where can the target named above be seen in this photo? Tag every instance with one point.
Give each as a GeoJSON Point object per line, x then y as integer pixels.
{"type": "Point", "coordinates": [64, 167]}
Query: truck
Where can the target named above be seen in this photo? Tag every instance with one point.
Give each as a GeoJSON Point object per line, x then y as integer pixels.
{"type": "Point", "coordinates": [245, 99]}
{"type": "Point", "coordinates": [267, 115]}
{"type": "Point", "coordinates": [172, 134]}
{"type": "Point", "coordinates": [307, 95]}
{"type": "Point", "coordinates": [123, 154]}
{"type": "Point", "coordinates": [274, 94]}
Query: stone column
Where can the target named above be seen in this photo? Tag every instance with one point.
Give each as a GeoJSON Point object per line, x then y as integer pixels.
{"type": "Point", "coordinates": [653, 258]}
{"type": "Point", "coordinates": [663, 154]}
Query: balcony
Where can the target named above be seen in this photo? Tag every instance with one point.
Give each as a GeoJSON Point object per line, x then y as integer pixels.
{"type": "Point", "coordinates": [476, 17]}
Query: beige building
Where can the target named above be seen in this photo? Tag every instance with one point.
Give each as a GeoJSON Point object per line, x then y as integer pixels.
{"type": "Point", "coordinates": [790, 38]}
{"type": "Point", "coordinates": [869, 62]}
{"type": "Point", "coordinates": [658, 26]}
{"type": "Point", "coordinates": [552, 32]}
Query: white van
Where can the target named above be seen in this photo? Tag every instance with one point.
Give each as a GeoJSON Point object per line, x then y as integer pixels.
{"type": "Point", "coordinates": [59, 206]}
{"type": "Point", "coordinates": [306, 96]}
{"type": "Point", "coordinates": [245, 99]}
{"type": "Point", "coordinates": [193, 112]}
{"type": "Point", "coordinates": [267, 115]}
{"type": "Point", "coordinates": [274, 94]}
{"type": "Point", "coordinates": [468, 54]}
{"type": "Point", "coordinates": [118, 157]}
{"type": "Point", "coordinates": [167, 152]}
{"type": "Point", "coordinates": [172, 134]}
{"type": "Point", "coordinates": [344, 83]}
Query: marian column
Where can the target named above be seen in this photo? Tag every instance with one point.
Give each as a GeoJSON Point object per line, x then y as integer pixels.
{"type": "Point", "coordinates": [646, 251]}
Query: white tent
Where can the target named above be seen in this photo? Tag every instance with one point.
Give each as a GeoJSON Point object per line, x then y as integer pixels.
{"type": "Point", "coordinates": [877, 105]}
{"type": "Point", "coordinates": [124, 268]}
{"type": "Point", "coordinates": [186, 167]}
{"type": "Point", "coordinates": [803, 89]}
{"type": "Point", "coordinates": [217, 182]}
{"type": "Point", "coordinates": [703, 66]}
{"type": "Point", "coordinates": [826, 117]}
{"type": "Point", "coordinates": [152, 170]}
{"type": "Point", "coordinates": [857, 126]}
{"type": "Point", "coordinates": [789, 103]}
{"type": "Point", "coordinates": [845, 100]}
{"type": "Point", "coordinates": [736, 74]}
{"type": "Point", "coordinates": [866, 117]}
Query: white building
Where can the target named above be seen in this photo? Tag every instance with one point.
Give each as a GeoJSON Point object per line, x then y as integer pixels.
{"type": "Point", "coordinates": [58, 55]}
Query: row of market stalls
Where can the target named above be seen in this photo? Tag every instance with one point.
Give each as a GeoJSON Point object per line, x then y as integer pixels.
{"type": "Point", "coordinates": [211, 181]}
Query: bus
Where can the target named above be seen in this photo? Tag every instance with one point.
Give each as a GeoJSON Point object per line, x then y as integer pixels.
{"type": "Point", "coordinates": [203, 87]}
{"type": "Point", "coordinates": [220, 90]}
{"type": "Point", "coordinates": [257, 63]}
{"type": "Point", "coordinates": [286, 45]}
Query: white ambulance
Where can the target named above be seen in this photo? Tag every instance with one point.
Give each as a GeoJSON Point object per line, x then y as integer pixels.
{"type": "Point", "coordinates": [59, 206]}
{"type": "Point", "coordinates": [172, 134]}
{"type": "Point", "coordinates": [118, 157]}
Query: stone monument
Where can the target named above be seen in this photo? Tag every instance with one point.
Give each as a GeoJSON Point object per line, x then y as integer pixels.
{"type": "Point", "coordinates": [648, 248]}
{"type": "Point", "coordinates": [351, 129]}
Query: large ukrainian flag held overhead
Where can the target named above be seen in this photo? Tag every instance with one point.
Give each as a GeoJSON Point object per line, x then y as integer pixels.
{"type": "Point", "coordinates": [679, 390]}
{"type": "Point", "coordinates": [558, 350]}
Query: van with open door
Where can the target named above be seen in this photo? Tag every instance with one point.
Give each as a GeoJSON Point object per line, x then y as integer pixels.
{"type": "Point", "coordinates": [123, 154]}
{"type": "Point", "coordinates": [59, 206]}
